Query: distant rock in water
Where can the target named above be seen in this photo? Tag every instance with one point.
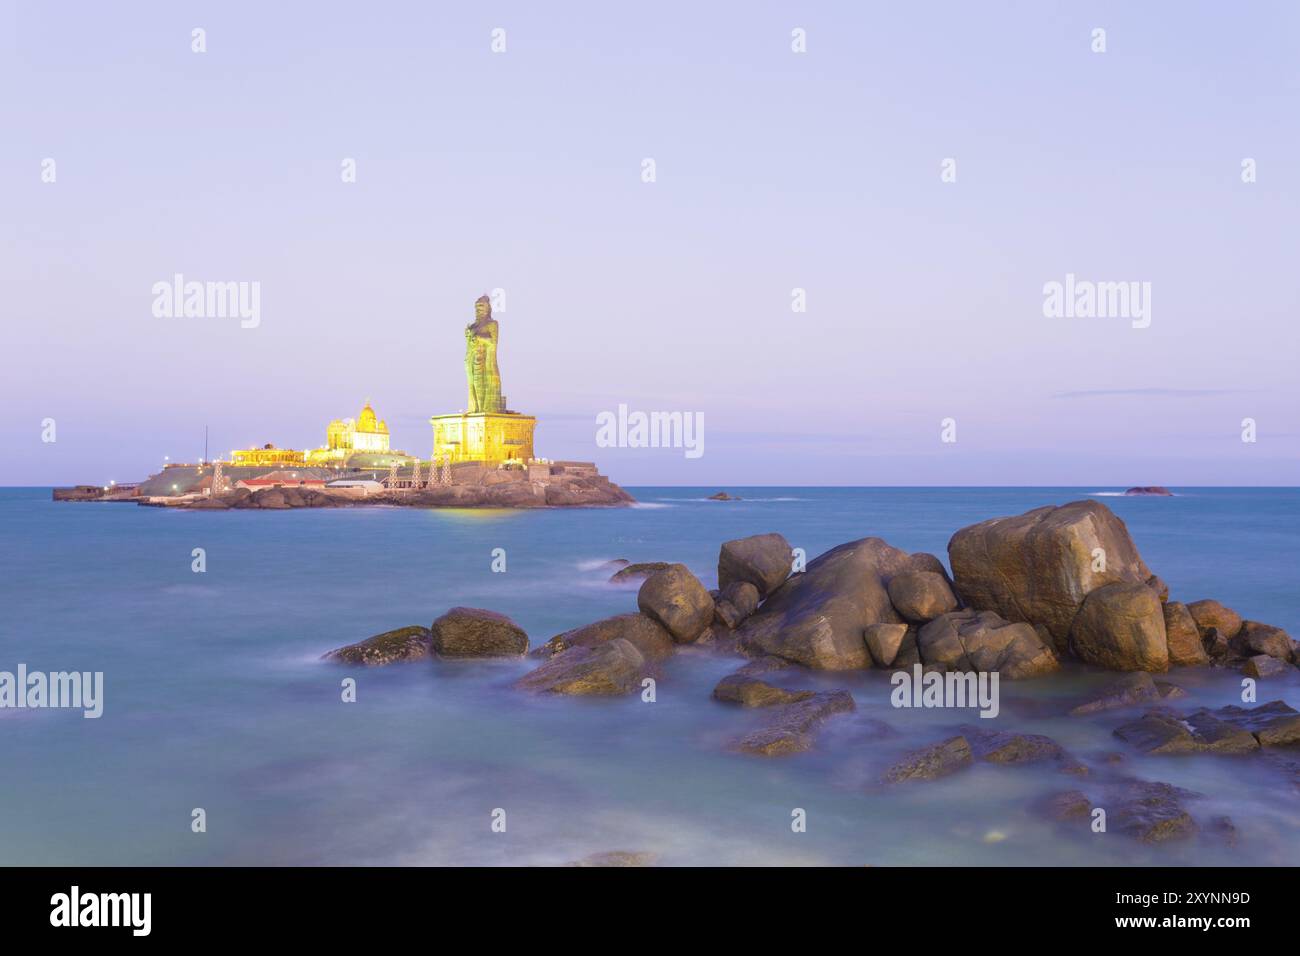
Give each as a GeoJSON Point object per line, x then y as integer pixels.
{"type": "Point", "coordinates": [1155, 490]}
{"type": "Point", "coordinates": [638, 570]}
{"type": "Point", "coordinates": [723, 496]}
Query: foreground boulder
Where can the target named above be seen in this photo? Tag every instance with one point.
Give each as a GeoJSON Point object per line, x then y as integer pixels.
{"type": "Point", "coordinates": [403, 644]}
{"type": "Point", "coordinates": [737, 601]}
{"type": "Point", "coordinates": [603, 670]}
{"type": "Point", "coordinates": [646, 635]}
{"type": "Point", "coordinates": [921, 596]}
{"type": "Point", "coordinates": [1121, 627]}
{"type": "Point", "coordinates": [1008, 747]}
{"type": "Point", "coordinates": [1182, 636]}
{"type": "Point", "coordinates": [884, 642]}
{"type": "Point", "coordinates": [817, 618]}
{"type": "Point", "coordinates": [982, 641]}
{"type": "Point", "coordinates": [1256, 638]}
{"type": "Point", "coordinates": [1039, 566]}
{"type": "Point", "coordinates": [1213, 615]}
{"type": "Point", "coordinates": [791, 727]}
{"type": "Point", "coordinates": [762, 559]}
{"type": "Point", "coordinates": [475, 632]}
{"type": "Point", "coordinates": [676, 599]}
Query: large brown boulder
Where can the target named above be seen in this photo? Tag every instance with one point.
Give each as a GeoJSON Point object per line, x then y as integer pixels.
{"type": "Point", "coordinates": [1182, 636]}
{"type": "Point", "coordinates": [1121, 627]}
{"type": "Point", "coordinates": [1039, 566]}
{"type": "Point", "coordinates": [921, 596]}
{"type": "Point", "coordinates": [403, 644]}
{"type": "Point", "coordinates": [982, 641]}
{"type": "Point", "coordinates": [1256, 638]}
{"type": "Point", "coordinates": [1211, 614]}
{"type": "Point", "coordinates": [762, 559]}
{"type": "Point", "coordinates": [645, 634]}
{"type": "Point", "coordinates": [676, 599]}
{"type": "Point", "coordinates": [603, 670]}
{"type": "Point", "coordinates": [817, 618]}
{"type": "Point", "coordinates": [475, 632]}
{"type": "Point", "coordinates": [884, 642]}
{"type": "Point", "coordinates": [734, 603]}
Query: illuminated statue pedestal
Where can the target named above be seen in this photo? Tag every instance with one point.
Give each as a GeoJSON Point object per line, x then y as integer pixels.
{"type": "Point", "coordinates": [483, 436]}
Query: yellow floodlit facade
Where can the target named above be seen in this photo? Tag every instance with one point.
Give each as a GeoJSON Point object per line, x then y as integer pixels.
{"type": "Point", "coordinates": [344, 437]}
{"type": "Point", "coordinates": [485, 436]}
{"type": "Point", "coordinates": [267, 455]}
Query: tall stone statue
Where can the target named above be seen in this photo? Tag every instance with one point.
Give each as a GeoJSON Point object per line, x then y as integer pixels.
{"type": "Point", "coordinates": [481, 360]}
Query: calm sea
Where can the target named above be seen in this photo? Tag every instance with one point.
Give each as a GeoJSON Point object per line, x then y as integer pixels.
{"type": "Point", "coordinates": [215, 696]}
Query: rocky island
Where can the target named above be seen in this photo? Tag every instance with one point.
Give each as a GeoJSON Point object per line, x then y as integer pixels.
{"type": "Point", "coordinates": [482, 457]}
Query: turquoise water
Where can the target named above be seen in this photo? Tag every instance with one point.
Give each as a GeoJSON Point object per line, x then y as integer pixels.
{"type": "Point", "coordinates": [216, 697]}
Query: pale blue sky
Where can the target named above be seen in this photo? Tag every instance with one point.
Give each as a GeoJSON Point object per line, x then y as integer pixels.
{"type": "Point", "coordinates": [775, 170]}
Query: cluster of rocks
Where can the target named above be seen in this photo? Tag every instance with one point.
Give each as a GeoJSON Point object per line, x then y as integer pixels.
{"type": "Point", "coordinates": [1026, 593]}
{"type": "Point", "coordinates": [1074, 575]}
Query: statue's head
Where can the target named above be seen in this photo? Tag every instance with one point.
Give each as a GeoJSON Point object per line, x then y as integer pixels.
{"type": "Point", "coordinates": [482, 308]}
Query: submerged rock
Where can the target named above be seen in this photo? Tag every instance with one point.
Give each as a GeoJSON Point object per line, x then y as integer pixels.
{"type": "Point", "coordinates": [637, 571]}
{"type": "Point", "coordinates": [603, 670]}
{"type": "Point", "coordinates": [983, 641]}
{"type": "Point", "coordinates": [791, 727]}
{"type": "Point", "coordinates": [932, 762]}
{"type": "Point", "coordinates": [403, 644]}
{"type": "Point", "coordinates": [1039, 567]}
{"type": "Point", "coordinates": [1121, 627]}
{"type": "Point", "coordinates": [646, 635]}
{"type": "Point", "coordinates": [1009, 747]}
{"type": "Point", "coordinates": [1275, 724]}
{"type": "Point", "coordinates": [817, 618]}
{"type": "Point", "coordinates": [1164, 732]}
{"type": "Point", "coordinates": [676, 599]}
{"type": "Point", "coordinates": [1067, 806]}
{"type": "Point", "coordinates": [617, 858]}
{"type": "Point", "coordinates": [1131, 689]}
{"type": "Point", "coordinates": [762, 559]}
{"type": "Point", "coordinates": [751, 692]}
{"type": "Point", "coordinates": [1146, 812]}
{"type": "Point", "coordinates": [1152, 812]}
{"type": "Point", "coordinates": [475, 632]}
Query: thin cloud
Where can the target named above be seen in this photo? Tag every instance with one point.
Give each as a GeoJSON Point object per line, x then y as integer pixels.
{"type": "Point", "coordinates": [1152, 392]}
